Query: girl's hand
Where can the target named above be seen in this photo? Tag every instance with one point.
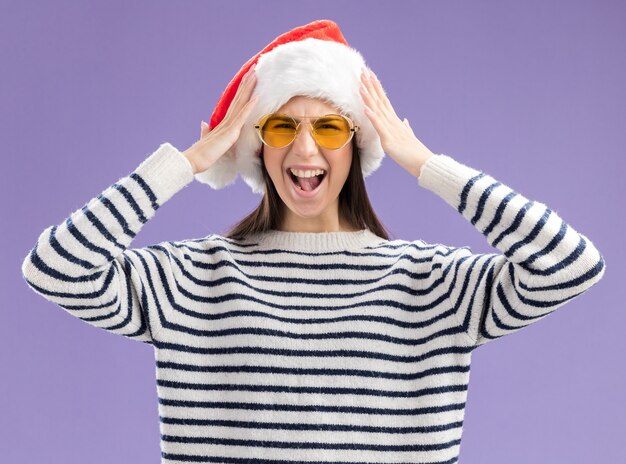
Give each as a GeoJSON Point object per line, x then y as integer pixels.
{"type": "Point", "coordinates": [214, 143]}
{"type": "Point", "coordinates": [396, 137]}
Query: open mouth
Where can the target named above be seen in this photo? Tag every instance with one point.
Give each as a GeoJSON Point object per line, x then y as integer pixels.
{"type": "Point", "coordinates": [305, 184]}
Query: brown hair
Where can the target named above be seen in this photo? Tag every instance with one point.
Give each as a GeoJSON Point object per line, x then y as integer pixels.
{"type": "Point", "coordinates": [354, 205]}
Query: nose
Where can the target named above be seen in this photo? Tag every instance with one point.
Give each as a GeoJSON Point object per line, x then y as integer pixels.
{"type": "Point", "coordinates": [304, 143]}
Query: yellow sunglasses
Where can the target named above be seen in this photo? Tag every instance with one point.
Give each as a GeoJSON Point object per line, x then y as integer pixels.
{"type": "Point", "coordinates": [332, 131]}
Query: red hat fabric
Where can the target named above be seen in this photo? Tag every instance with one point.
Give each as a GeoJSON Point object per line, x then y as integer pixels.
{"type": "Point", "coordinates": [313, 60]}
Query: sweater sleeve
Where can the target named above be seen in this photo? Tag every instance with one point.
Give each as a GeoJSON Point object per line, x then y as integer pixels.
{"type": "Point", "coordinates": [544, 262]}
{"type": "Point", "coordinates": [84, 264]}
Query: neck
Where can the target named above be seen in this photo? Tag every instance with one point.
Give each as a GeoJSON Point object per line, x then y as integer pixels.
{"type": "Point", "coordinates": [327, 221]}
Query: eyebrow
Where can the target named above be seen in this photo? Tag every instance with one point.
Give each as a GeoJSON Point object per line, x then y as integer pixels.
{"type": "Point", "coordinates": [282, 118]}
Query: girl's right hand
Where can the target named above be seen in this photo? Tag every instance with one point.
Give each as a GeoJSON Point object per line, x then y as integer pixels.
{"type": "Point", "coordinates": [214, 143]}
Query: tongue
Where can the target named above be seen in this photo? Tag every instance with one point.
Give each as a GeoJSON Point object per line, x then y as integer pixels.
{"type": "Point", "coordinates": [309, 183]}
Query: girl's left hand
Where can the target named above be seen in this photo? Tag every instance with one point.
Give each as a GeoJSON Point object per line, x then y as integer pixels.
{"type": "Point", "coordinates": [396, 137]}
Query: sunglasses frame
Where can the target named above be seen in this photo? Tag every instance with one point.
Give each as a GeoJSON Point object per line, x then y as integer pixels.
{"type": "Point", "coordinates": [353, 128]}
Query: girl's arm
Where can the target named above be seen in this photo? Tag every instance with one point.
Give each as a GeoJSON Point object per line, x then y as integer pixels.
{"type": "Point", "coordinates": [84, 264]}
{"type": "Point", "coordinates": [545, 262]}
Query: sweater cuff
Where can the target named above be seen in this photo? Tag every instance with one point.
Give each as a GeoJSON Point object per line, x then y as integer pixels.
{"type": "Point", "coordinates": [446, 177]}
{"type": "Point", "coordinates": [166, 171]}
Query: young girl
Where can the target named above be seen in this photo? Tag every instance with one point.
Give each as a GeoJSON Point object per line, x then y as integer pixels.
{"type": "Point", "coordinates": [305, 334]}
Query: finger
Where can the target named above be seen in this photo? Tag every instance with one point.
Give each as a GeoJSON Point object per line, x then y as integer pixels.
{"type": "Point", "coordinates": [204, 129]}
{"type": "Point", "coordinates": [376, 113]}
{"type": "Point", "coordinates": [370, 92]}
{"type": "Point", "coordinates": [374, 105]}
{"type": "Point", "coordinates": [369, 104]}
{"type": "Point", "coordinates": [244, 104]}
{"type": "Point", "coordinates": [380, 91]}
{"type": "Point", "coordinates": [241, 117]}
{"type": "Point", "coordinates": [377, 104]}
{"type": "Point", "coordinates": [245, 88]}
{"type": "Point", "coordinates": [376, 122]}
{"type": "Point", "coordinates": [367, 98]}
{"type": "Point", "coordinates": [380, 96]}
{"type": "Point", "coordinates": [248, 107]}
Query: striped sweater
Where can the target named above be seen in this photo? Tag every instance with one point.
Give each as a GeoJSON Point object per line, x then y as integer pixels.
{"type": "Point", "coordinates": [294, 347]}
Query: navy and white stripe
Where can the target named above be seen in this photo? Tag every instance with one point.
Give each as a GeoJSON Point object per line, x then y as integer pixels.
{"type": "Point", "coordinates": [288, 347]}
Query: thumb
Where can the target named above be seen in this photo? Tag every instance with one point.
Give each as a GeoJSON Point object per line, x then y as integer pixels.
{"type": "Point", "coordinates": [204, 128]}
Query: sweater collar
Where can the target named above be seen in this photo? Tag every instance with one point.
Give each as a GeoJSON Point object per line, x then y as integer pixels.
{"type": "Point", "coordinates": [315, 241]}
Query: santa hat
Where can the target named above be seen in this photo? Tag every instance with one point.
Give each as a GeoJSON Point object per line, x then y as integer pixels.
{"type": "Point", "coordinates": [312, 60]}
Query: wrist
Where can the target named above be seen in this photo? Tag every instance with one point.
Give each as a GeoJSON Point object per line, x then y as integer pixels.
{"type": "Point", "coordinates": [189, 154]}
{"type": "Point", "coordinates": [420, 164]}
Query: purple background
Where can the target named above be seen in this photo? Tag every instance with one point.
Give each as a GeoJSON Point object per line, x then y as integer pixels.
{"type": "Point", "coordinates": [530, 92]}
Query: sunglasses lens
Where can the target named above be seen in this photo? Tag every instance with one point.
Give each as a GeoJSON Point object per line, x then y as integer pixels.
{"type": "Point", "coordinates": [331, 131]}
{"type": "Point", "coordinates": [278, 131]}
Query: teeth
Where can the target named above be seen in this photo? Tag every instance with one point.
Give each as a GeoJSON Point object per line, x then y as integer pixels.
{"type": "Point", "coordinates": [299, 173]}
